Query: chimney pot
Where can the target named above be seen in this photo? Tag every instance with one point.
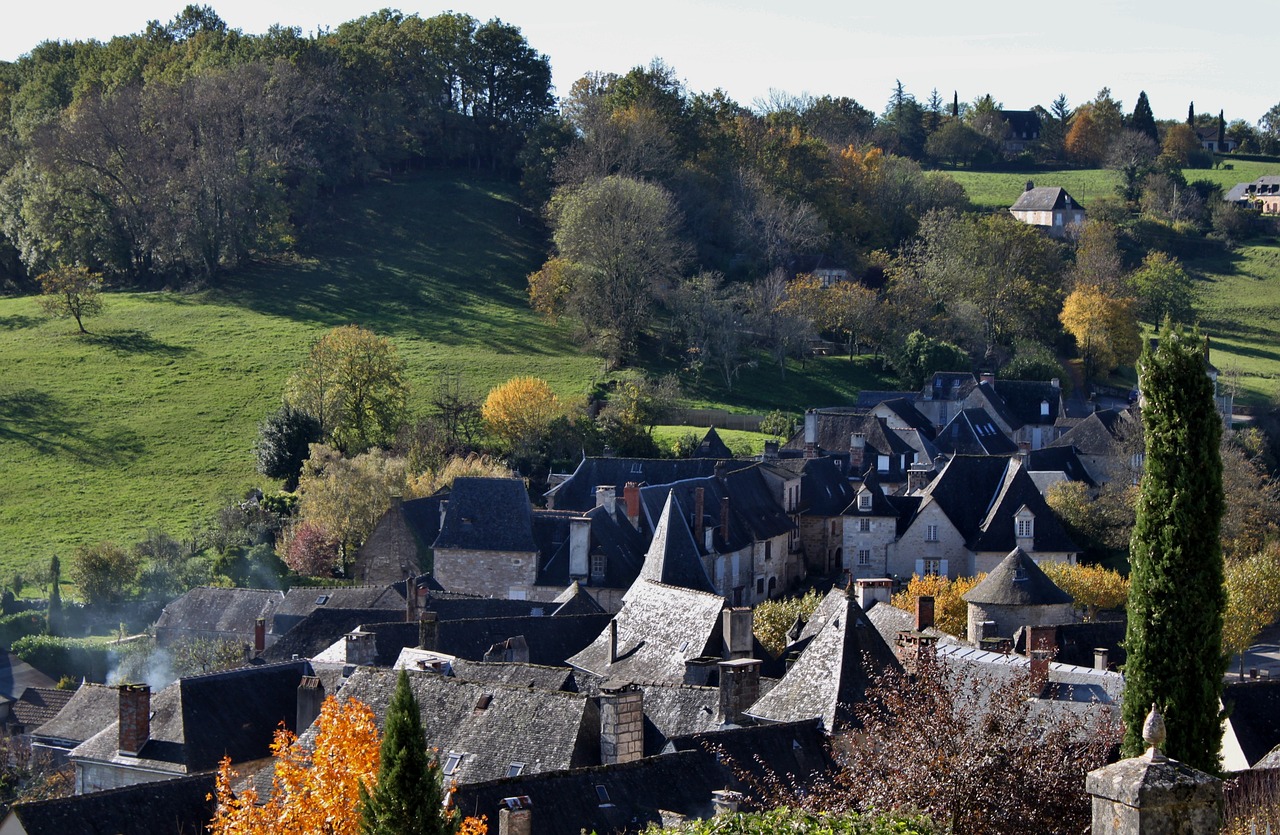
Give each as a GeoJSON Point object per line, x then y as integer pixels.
{"type": "Point", "coordinates": [924, 612]}
{"type": "Point", "coordinates": [1100, 658]}
{"type": "Point", "coordinates": [259, 636]}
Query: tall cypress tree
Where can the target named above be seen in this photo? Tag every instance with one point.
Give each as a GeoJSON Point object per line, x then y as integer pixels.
{"type": "Point", "coordinates": [409, 797]}
{"type": "Point", "coordinates": [1143, 120]}
{"type": "Point", "coordinates": [1191, 115]}
{"type": "Point", "coordinates": [1176, 597]}
{"type": "Point", "coordinates": [53, 618]}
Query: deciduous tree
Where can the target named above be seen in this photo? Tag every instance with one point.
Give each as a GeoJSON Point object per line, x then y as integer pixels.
{"type": "Point", "coordinates": [1253, 599]}
{"type": "Point", "coordinates": [520, 411]}
{"type": "Point", "coordinates": [347, 496]}
{"type": "Point", "coordinates": [71, 292]}
{"type": "Point", "coordinates": [314, 788]}
{"type": "Point", "coordinates": [284, 443]}
{"type": "Point", "coordinates": [1093, 587]}
{"type": "Point", "coordinates": [353, 383]}
{"type": "Point", "coordinates": [1105, 328]}
{"type": "Point", "coordinates": [1176, 601]}
{"type": "Point", "coordinates": [104, 573]}
{"type": "Point", "coordinates": [950, 611]}
{"type": "Point", "coordinates": [1164, 289]}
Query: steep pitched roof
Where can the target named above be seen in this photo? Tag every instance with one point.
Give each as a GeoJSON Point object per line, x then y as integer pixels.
{"type": "Point", "coordinates": [711, 446]}
{"type": "Point", "coordinates": [880, 504]}
{"type": "Point", "coordinates": [966, 489]}
{"type": "Point", "coordinates": [660, 628]}
{"type": "Point", "coordinates": [490, 725]}
{"type": "Point", "coordinates": [973, 432]}
{"type": "Point", "coordinates": [488, 514]}
{"type": "Point", "coordinates": [38, 705]}
{"type": "Point", "coordinates": [1101, 433]}
{"type": "Point", "coordinates": [1025, 400]}
{"type": "Point", "coordinates": [217, 613]}
{"type": "Point", "coordinates": [673, 557]}
{"type": "Point", "coordinates": [1044, 199]}
{"type": "Point", "coordinates": [1017, 581]}
{"type": "Point", "coordinates": [755, 504]}
{"type": "Point", "coordinates": [550, 640]}
{"type": "Point", "coordinates": [197, 721]}
{"type": "Point", "coordinates": [610, 534]}
{"type": "Point", "coordinates": [515, 674]}
{"type": "Point", "coordinates": [1254, 710]}
{"type": "Point", "coordinates": [1063, 459]}
{"type": "Point", "coordinates": [949, 385]}
{"type": "Point", "coordinates": [578, 492]}
{"type": "Point", "coordinates": [90, 709]}
{"type": "Point", "coordinates": [172, 807]}
{"type": "Point", "coordinates": [998, 529]}
{"type": "Point", "coordinates": [906, 410]}
{"type": "Point", "coordinates": [833, 671]}
{"type": "Point", "coordinates": [575, 600]}
{"type": "Point", "coordinates": [300, 602]}
{"type": "Point", "coordinates": [868, 398]}
{"type": "Point", "coordinates": [824, 489]}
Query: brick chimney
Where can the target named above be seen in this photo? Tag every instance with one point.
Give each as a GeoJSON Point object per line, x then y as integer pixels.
{"type": "Point", "coordinates": [699, 514]}
{"type": "Point", "coordinates": [621, 722]}
{"type": "Point", "coordinates": [631, 494]}
{"type": "Point", "coordinates": [579, 547]}
{"type": "Point", "coordinates": [135, 718]}
{"type": "Point", "coordinates": [739, 687]}
{"type": "Point", "coordinates": [736, 625]}
{"type": "Point", "coordinates": [428, 631]}
{"type": "Point", "coordinates": [1039, 670]}
{"type": "Point", "coordinates": [607, 497]}
{"type": "Point", "coordinates": [811, 433]}
{"type": "Point", "coordinates": [515, 816]}
{"type": "Point", "coordinates": [989, 378]}
{"type": "Point", "coordinates": [259, 636]}
{"type": "Point", "coordinates": [924, 612]}
{"type": "Point", "coordinates": [857, 452]}
{"type": "Point", "coordinates": [1042, 638]}
{"type": "Point", "coordinates": [310, 698]}
{"type": "Point", "coordinates": [915, 650]}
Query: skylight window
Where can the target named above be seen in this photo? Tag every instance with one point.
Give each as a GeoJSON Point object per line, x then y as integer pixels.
{"type": "Point", "coordinates": [451, 764]}
{"type": "Point", "coordinates": [602, 793]}
{"type": "Point", "coordinates": [514, 769]}
{"type": "Point", "coordinates": [322, 599]}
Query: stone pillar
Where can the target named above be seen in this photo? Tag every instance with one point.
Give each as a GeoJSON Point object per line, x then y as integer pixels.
{"type": "Point", "coordinates": [621, 723]}
{"type": "Point", "coordinates": [1154, 795]}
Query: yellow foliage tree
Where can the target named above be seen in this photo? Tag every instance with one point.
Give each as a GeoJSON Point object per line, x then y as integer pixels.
{"type": "Point", "coordinates": [457, 466]}
{"type": "Point", "coordinates": [1092, 586]}
{"type": "Point", "coordinates": [950, 612]}
{"type": "Point", "coordinates": [313, 791]}
{"type": "Point", "coordinates": [347, 496]}
{"type": "Point", "coordinates": [1105, 328]}
{"type": "Point", "coordinates": [772, 618]}
{"type": "Point", "coordinates": [520, 410]}
{"type": "Point", "coordinates": [1180, 142]}
{"type": "Point", "coordinates": [1253, 598]}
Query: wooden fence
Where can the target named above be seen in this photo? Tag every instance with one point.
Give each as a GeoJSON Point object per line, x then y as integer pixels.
{"type": "Point", "coordinates": [719, 418]}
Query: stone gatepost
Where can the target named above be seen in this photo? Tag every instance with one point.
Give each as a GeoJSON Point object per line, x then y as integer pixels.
{"type": "Point", "coordinates": [1154, 795]}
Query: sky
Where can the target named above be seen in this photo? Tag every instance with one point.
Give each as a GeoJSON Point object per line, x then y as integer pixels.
{"type": "Point", "coordinates": [1021, 53]}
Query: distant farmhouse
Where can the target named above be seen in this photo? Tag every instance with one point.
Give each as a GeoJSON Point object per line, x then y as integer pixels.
{"type": "Point", "coordinates": [1048, 207]}
{"type": "Point", "coordinates": [1262, 194]}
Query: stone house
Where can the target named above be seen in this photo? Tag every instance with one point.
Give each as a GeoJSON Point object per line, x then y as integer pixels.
{"type": "Point", "coordinates": [1048, 207]}
{"type": "Point", "coordinates": [1015, 594]}
{"type": "Point", "coordinates": [400, 544]}
{"type": "Point", "coordinates": [1108, 443]}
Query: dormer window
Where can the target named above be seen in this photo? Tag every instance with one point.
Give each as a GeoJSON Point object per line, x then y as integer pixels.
{"type": "Point", "coordinates": [1044, 408]}
{"type": "Point", "coordinates": [598, 565]}
{"type": "Point", "coordinates": [1026, 526]}
{"type": "Point", "coordinates": [864, 500]}
{"type": "Point", "coordinates": [882, 463]}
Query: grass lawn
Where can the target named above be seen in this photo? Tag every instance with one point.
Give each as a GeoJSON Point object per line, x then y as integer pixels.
{"type": "Point", "coordinates": [1239, 307]}
{"type": "Point", "coordinates": [742, 443]}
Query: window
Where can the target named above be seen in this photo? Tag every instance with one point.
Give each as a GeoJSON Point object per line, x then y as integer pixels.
{"type": "Point", "coordinates": [768, 550]}
{"type": "Point", "coordinates": [760, 586]}
{"type": "Point", "coordinates": [602, 793]}
{"type": "Point", "coordinates": [864, 526]}
{"type": "Point", "coordinates": [882, 463]}
{"type": "Point", "coordinates": [597, 568]}
{"type": "Point", "coordinates": [864, 556]}
{"type": "Point", "coordinates": [451, 764]}
{"type": "Point", "coordinates": [931, 533]}
{"type": "Point", "coordinates": [514, 769]}
{"type": "Point", "coordinates": [322, 599]}
{"type": "Point", "coordinates": [864, 501]}
{"type": "Point", "coordinates": [1025, 528]}
{"type": "Point", "coordinates": [932, 568]}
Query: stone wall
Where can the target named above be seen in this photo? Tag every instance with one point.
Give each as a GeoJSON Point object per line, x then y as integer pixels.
{"type": "Point", "coordinates": [503, 574]}
{"type": "Point", "coordinates": [391, 552]}
{"type": "Point", "coordinates": [1008, 619]}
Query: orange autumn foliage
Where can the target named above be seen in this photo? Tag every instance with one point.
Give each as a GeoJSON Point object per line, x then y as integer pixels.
{"type": "Point", "coordinates": [312, 791]}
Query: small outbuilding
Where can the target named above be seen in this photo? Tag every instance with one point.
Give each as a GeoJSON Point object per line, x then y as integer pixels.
{"type": "Point", "coordinates": [1016, 593]}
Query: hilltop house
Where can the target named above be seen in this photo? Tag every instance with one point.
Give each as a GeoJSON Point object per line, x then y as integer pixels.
{"type": "Point", "coordinates": [1022, 130]}
{"type": "Point", "coordinates": [1262, 194]}
{"type": "Point", "coordinates": [1048, 207]}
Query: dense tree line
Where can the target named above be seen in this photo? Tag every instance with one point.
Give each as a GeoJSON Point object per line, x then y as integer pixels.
{"type": "Point", "coordinates": [166, 155]}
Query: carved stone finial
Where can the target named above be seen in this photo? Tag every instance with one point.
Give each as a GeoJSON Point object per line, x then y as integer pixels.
{"type": "Point", "coordinates": [1153, 733]}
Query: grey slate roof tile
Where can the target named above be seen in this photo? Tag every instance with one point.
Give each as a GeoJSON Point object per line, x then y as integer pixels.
{"type": "Point", "coordinates": [1017, 581]}
{"type": "Point", "coordinates": [91, 708]}
{"type": "Point", "coordinates": [212, 613]}
{"type": "Point", "coordinates": [578, 492]}
{"type": "Point", "coordinates": [172, 807]}
{"type": "Point", "coordinates": [488, 514]}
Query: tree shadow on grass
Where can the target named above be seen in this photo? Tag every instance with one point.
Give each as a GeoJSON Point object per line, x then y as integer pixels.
{"type": "Point", "coordinates": [17, 322]}
{"type": "Point", "coordinates": [50, 427]}
{"type": "Point", "coordinates": [135, 342]}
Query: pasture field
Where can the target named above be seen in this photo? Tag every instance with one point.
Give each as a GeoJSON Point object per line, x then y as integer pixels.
{"type": "Point", "coordinates": [1239, 306]}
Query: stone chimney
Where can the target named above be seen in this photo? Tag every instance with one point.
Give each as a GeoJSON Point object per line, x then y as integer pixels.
{"type": "Point", "coordinates": [918, 477]}
{"type": "Point", "coordinates": [621, 722]}
{"type": "Point", "coordinates": [310, 698]}
{"type": "Point", "coordinates": [631, 497]}
{"type": "Point", "coordinates": [259, 636]}
{"type": "Point", "coordinates": [1030, 185]}
{"type": "Point", "coordinates": [811, 433]}
{"type": "Point", "coordinates": [726, 801]}
{"type": "Point", "coordinates": [1101, 658]}
{"type": "Point", "coordinates": [699, 514]}
{"type": "Point", "coordinates": [515, 816]}
{"type": "Point", "coordinates": [135, 718]}
{"type": "Point", "coordinates": [736, 624]}
{"type": "Point", "coordinates": [362, 651]}
{"type": "Point", "coordinates": [579, 547]}
{"type": "Point", "coordinates": [771, 450]}
{"type": "Point", "coordinates": [607, 497]}
{"type": "Point", "coordinates": [1154, 795]}
{"type": "Point", "coordinates": [429, 631]}
{"type": "Point", "coordinates": [857, 453]}
{"type": "Point", "coordinates": [878, 590]}
{"type": "Point", "coordinates": [410, 599]}
{"type": "Point", "coordinates": [739, 688]}
{"type": "Point", "coordinates": [914, 650]}
{"type": "Point", "coordinates": [511, 651]}
{"type": "Point", "coordinates": [924, 612]}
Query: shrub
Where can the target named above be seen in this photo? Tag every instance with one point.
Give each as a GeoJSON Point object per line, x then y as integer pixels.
{"type": "Point", "coordinates": [800, 822]}
{"type": "Point", "coordinates": [19, 625]}
{"type": "Point", "coordinates": [57, 657]}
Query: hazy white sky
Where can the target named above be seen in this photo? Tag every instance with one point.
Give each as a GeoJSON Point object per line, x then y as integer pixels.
{"type": "Point", "coordinates": [1217, 54]}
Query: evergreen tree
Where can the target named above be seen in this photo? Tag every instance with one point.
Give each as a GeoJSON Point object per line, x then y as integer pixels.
{"type": "Point", "coordinates": [1191, 115]}
{"type": "Point", "coordinates": [409, 797]}
{"type": "Point", "coordinates": [1177, 600]}
{"type": "Point", "coordinates": [955, 104]}
{"type": "Point", "coordinates": [1222, 130]}
{"type": "Point", "coordinates": [1143, 120]}
{"type": "Point", "coordinates": [53, 619]}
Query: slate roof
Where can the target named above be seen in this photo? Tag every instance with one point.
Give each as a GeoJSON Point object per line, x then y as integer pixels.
{"type": "Point", "coordinates": [576, 600]}
{"type": "Point", "coordinates": [216, 613]}
{"type": "Point", "coordinates": [1023, 124]}
{"type": "Point", "coordinates": [974, 432]}
{"type": "Point", "coordinates": [551, 640]}
{"type": "Point", "coordinates": [38, 705]}
{"type": "Point", "coordinates": [1044, 199]}
{"type": "Point", "coordinates": [824, 489]}
{"type": "Point", "coordinates": [1098, 434]}
{"type": "Point", "coordinates": [868, 399]}
{"type": "Point", "coordinates": [950, 385]}
{"type": "Point", "coordinates": [1064, 459]}
{"type": "Point", "coordinates": [1017, 581]}
{"type": "Point", "coordinates": [1023, 400]}
{"type": "Point", "coordinates": [711, 446]}
{"type": "Point", "coordinates": [1077, 641]}
{"type": "Point", "coordinates": [544, 730]}
{"type": "Point", "coordinates": [536, 676]}
{"type": "Point", "coordinates": [659, 629]}
{"type": "Point", "coordinates": [673, 557]}
{"type": "Point", "coordinates": [301, 601]}
{"type": "Point", "coordinates": [999, 528]}
{"type": "Point", "coordinates": [488, 514]}
{"type": "Point", "coordinates": [319, 630]}
{"type": "Point", "coordinates": [676, 711]}
{"type": "Point", "coordinates": [797, 750]}
{"type": "Point", "coordinates": [1254, 710]}
{"type": "Point", "coordinates": [833, 671]}
{"type": "Point", "coordinates": [90, 709]}
{"type": "Point", "coordinates": [197, 721]}
{"type": "Point", "coordinates": [611, 535]}
{"type": "Point", "coordinates": [905, 409]}
{"type": "Point", "coordinates": [578, 492]}
{"type": "Point", "coordinates": [172, 807]}
{"type": "Point", "coordinates": [754, 513]}
{"type": "Point", "coordinates": [880, 504]}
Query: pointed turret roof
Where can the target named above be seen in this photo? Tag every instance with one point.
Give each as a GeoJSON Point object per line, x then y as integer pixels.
{"type": "Point", "coordinates": [1017, 581]}
{"type": "Point", "coordinates": [673, 558]}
